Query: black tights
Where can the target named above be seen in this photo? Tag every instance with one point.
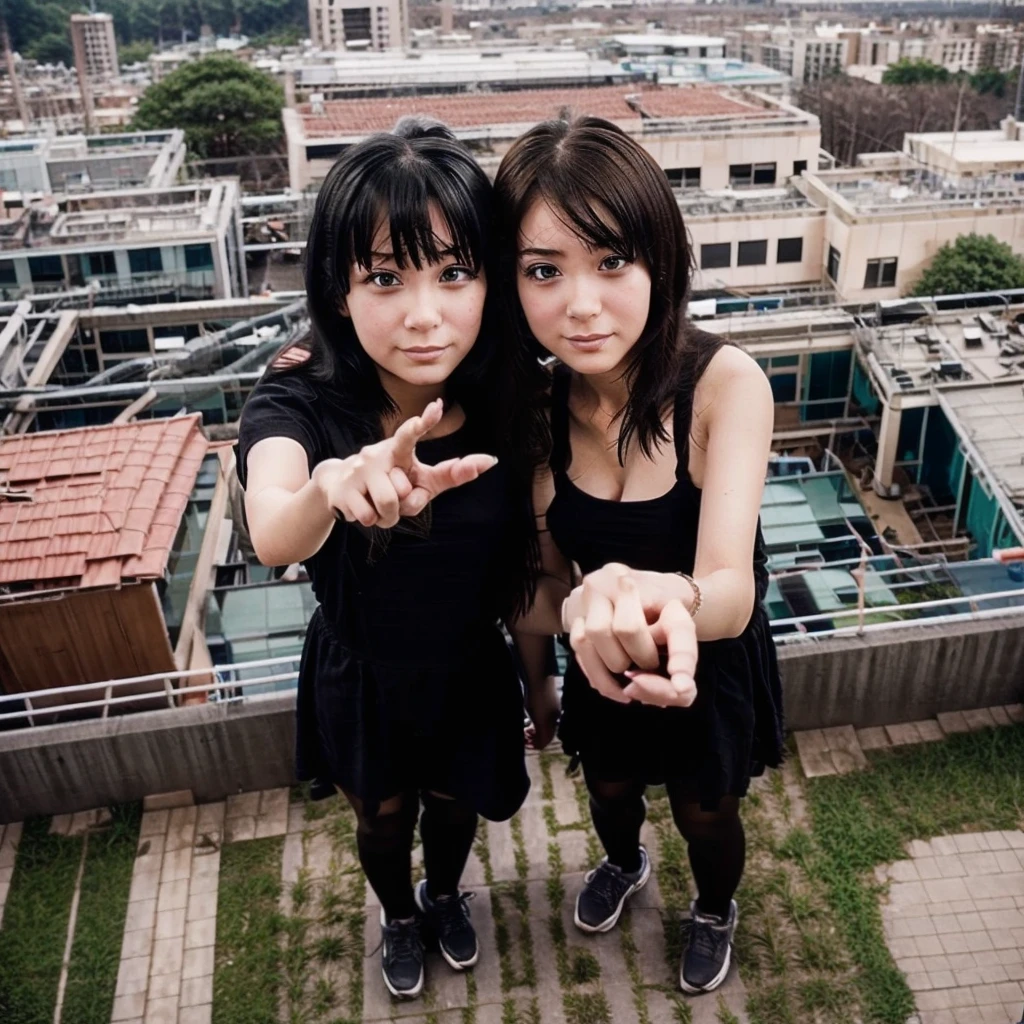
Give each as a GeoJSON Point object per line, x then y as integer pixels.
{"type": "Point", "coordinates": [447, 828]}
{"type": "Point", "coordinates": [715, 839]}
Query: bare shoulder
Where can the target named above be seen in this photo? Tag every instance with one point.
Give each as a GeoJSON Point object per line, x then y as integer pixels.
{"type": "Point", "coordinates": [731, 378]}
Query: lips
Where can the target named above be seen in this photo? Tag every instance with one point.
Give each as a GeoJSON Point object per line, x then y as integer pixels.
{"type": "Point", "coordinates": [588, 342]}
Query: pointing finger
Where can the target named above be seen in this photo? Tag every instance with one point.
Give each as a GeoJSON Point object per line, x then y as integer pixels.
{"type": "Point", "coordinates": [406, 436]}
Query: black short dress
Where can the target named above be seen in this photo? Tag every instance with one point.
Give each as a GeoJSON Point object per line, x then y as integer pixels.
{"type": "Point", "coordinates": [406, 681]}
{"type": "Point", "coordinates": [733, 730]}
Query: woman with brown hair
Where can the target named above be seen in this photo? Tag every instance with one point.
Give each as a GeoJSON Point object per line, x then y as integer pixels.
{"type": "Point", "coordinates": [659, 436]}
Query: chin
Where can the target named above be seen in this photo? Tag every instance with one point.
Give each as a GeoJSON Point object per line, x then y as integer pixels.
{"type": "Point", "coordinates": [589, 363]}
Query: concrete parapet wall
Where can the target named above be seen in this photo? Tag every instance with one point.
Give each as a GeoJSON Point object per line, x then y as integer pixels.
{"type": "Point", "coordinates": [890, 676]}
{"type": "Point", "coordinates": [216, 750]}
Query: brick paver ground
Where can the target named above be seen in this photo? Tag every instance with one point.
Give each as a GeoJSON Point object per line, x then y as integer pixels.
{"type": "Point", "coordinates": [954, 921]}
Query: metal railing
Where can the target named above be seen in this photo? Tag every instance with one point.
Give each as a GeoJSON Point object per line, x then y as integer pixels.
{"type": "Point", "coordinates": [226, 688]}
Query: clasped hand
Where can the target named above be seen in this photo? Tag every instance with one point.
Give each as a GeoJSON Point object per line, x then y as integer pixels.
{"type": "Point", "coordinates": [617, 621]}
{"type": "Point", "coordinates": [385, 481]}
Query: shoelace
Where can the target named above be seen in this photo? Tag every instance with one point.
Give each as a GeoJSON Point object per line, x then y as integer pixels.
{"type": "Point", "coordinates": [405, 940]}
{"type": "Point", "coordinates": [706, 938]}
{"type": "Point", "coordinates": [452, 913]}
{"type": "Point", "coordinates": [607, 885]}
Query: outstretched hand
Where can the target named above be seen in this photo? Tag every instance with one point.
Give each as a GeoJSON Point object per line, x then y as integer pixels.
{"type": "Point", "coordinates": [619, 621]}
{"type": "Point", "coordinates": [386, 480]}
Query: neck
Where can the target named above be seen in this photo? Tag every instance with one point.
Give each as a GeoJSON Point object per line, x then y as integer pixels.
{"type": "Point", "coordinates": [411, 399]}
{"type": "Point", "coordinates": [607, 390]}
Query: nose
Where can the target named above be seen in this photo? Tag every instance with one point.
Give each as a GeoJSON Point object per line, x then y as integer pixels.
{"type": "Point", "coordinates": [424, 313]}
{"type": "Point", "coordinates": [584, 300]}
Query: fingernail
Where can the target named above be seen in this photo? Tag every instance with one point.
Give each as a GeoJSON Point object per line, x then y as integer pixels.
{"type": "Point", "coordinates": [495, 460]}
{"type": "Point", "coordinates": [631, 673]}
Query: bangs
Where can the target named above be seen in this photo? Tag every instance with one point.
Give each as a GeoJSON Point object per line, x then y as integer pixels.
{"type": "Point", "coordinates": [613, 219]}
{"type": "Point", "coordinates": [398, 205]}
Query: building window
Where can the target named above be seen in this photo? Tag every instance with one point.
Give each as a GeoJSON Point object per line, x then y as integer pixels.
{"type": "Point", "coordinates": [145, 261]}
{"type": "Point", "coordinates": [121, 342]}
{"type": "Point", "coordinates": [45, 269]}
{"type": "Point", "coordinates": [881, 273]}
{"type": "Point", "coordinates": [7, 273]}
{"type": "Point", "coordinates": [199, 257]}
{"type": "Point", "coordinates": [101, 264]}
{"type": "Point", "coordinates": [791, 250]}
{"type": "Point", "coordinates": [752, 254]}
{"type": "Point", "coordinates": [683, 177]}
{"type": "Point", "coordinates": [752, 174]}
{"type": "Point", "coordinates": [833, 263]}
{"type": "Point", "coordinates": [799, 166]}
{"type": "Point", "coordinates": [716, 255]}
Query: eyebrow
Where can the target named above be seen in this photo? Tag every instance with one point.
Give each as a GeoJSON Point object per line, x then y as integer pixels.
{"type": "Point", "coordinates": [541, 252]}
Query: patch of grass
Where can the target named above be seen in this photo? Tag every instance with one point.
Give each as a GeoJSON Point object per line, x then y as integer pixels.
{"type": "Point", "coordinates": [248, 966]}
{"type": "Point", "coordinates": [587, 1008]}
{"type": "Point", "coordinates": [724, 1014]}
{"type": "Point", "coordinates": [969, 782]}
{"type": "Point", "coordinates": [36, 923]}
{"type": "Point", "coordinates": [99, 928]}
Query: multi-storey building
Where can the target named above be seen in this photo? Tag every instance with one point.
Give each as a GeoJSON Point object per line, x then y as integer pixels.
{"type": "Point", "coordinates": [359, 24]}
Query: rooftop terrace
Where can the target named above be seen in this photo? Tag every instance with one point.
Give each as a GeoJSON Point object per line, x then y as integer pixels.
{"type": "Point", "coordinates": [617, 103]}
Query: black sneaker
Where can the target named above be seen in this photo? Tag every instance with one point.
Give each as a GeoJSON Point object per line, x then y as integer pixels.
{"type": "Point", "coordinates": [402, 957]}
{"type": "Point", "coordinates": [708, 952]}
{"type": "Point", "coordinates": [604, 894]}
{"type": "Point", "coordinates": [448, 918]}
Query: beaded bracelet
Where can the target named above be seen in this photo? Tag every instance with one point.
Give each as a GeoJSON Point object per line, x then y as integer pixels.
{"type": "Point", "coordinates": [696, 593]}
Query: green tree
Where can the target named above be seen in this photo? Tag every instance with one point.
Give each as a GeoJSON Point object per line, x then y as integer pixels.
{"type": "Point", "coordinates": [52, 48]}
{"type": "Point", "coordinates": [914, 72]}
{"type": "Point", "coordinates": [973, 263]}
{"type": "Point", "coordinates": [225, 107]}
{"type": "Point", "coordinates": [992, 80]}
{"type": "Point", "coordinates": [134, 53]}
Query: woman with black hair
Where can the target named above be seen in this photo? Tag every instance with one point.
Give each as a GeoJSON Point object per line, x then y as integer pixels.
{"type": "Point", "coordinates": [381, 461]}
{"type": "Point", "coordinates": [659, 436]}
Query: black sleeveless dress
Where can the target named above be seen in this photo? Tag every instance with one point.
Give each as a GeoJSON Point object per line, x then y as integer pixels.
{"type": "Point", "coordinates": [406, 681]}
{"type": "Point", "coordinates": [733, 730]}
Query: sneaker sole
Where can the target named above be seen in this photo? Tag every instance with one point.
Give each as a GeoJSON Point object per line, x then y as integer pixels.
{"type": "Point", "coordinates": [717, 979]}
{"type": "Point", "coordinates": [696, 990]}
{"type": "Point", "coordinates": [611, 922]}
{"type": "Point", "coordinates": [455, 965]}
{"type": "Point", "coordinates": [411, 993]}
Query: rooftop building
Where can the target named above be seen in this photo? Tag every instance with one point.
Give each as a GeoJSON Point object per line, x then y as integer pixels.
{"type": "Point", "coordinates": [74, 163]}
{"type": "Point", "coordinates": [95, 46]}
{"type": "Point", "coordinates": [713, 129]}
{"type": "Point", "coordinates": [183, 237]}
{"type": "Point", "coordinates": [92, 516]}
{"type": "Point", "coordinates": [336, 75]}
{"type": "Point", "coordinates": [359, 24]}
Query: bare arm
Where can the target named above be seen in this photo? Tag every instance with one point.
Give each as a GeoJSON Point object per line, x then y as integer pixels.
{"type": "Point", "coordinates": [740, 418]}
{"type": "Point", "coordinates": [287, 512]}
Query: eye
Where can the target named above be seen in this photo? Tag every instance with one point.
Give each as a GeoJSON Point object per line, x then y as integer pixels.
{"type": "Point", "coordinates": [615, 263]}
{"type": "Point", "coordinates": [541, 272]}
{"type": "Point", "coordinates": [456, 275]}
{"type": "Point", "coordinates": [383, 279]}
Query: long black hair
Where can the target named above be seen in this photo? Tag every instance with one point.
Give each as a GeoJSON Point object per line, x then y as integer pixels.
{"type": "Point", "coordinates": [612, 194]}
{"type": "Point", "coordinates": [396, 179]}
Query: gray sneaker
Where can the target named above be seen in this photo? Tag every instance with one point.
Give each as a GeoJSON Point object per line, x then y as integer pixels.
{"type": "Point", "coordinates": [604, 894]}
{"type": "Point", "coordinates": [709, 950]}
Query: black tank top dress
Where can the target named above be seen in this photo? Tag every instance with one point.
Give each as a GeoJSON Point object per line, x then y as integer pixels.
{"type": "Point", "coordinates": [406, 681]}
{"type": "Point", "coordinates": [733, 730]}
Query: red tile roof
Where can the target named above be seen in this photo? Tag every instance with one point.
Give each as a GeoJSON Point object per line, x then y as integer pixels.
{"type": "Point", "coordinates": [469, 110]}
{"type": "Point", "coordinates": [103, 503]}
